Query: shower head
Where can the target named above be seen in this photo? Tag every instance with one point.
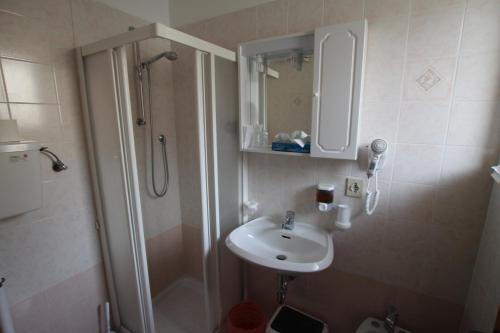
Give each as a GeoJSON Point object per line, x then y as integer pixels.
{"type": "Point", "coordinates": [170, 55]}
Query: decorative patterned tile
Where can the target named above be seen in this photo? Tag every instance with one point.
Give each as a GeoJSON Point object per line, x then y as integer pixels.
{"type": "Point", "coordinates": [428, 79]}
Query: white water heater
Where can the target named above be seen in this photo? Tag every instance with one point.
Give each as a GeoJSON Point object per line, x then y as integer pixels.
{"type": "Point", "coordinates": [20, 178]}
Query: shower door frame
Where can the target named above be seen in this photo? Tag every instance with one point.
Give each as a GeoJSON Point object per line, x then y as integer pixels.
{"type": "Point", "coordinates": [116, 47]}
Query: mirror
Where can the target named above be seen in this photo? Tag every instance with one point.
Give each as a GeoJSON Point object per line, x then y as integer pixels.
{"type": "Point", "coordinates": [288, 94]}
{"type": "Point", "coordinates": [281, 98]}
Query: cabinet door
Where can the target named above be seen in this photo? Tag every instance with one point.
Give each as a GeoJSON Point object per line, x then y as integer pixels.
{"type": "Point", "coordinates": [339, 53]}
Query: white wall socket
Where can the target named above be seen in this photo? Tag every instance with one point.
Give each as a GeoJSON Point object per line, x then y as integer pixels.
{"type": "Point", "coordinates": [354, 187]}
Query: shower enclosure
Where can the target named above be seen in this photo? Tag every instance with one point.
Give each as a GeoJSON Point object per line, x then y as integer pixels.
{"type": "Point", "coordinates": [161, 124]}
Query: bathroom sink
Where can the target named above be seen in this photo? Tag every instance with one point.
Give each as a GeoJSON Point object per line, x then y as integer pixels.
{"type": "Point", "coordinates": [305, 249]}
{"type": "Point", "coordinates": [373, 325]}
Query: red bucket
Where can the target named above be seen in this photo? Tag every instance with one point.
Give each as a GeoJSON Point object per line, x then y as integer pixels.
{"type": "Point", "coordinates": [246, 317]}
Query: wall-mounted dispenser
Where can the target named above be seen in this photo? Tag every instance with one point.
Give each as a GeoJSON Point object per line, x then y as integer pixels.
{"type": "Point", "coordinates": [325, 194]}
{"type": "Point", "coordinates": [20, 178]}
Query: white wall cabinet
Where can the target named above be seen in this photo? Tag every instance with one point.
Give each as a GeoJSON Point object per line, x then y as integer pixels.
{"type": "Point", "coordinates": [336, 56]}
{"type": "Point", "coordinates": [339, 53]}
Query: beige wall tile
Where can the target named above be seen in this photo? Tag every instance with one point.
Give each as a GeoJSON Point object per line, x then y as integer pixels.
{"type": "Point", "coordinates": [53, 250]}
{"type": "Point", "coordinates": [165, 259]}
{"type": "Point", "coordinates": [32, 312]}
{"type": "Point", "coordinates": [93, 21]}
{"type": "Point", "coordinates": [460, 207]}
{"type": "Point", "coordinates": [478, 76]}
{"type": "Point", "coordinates": [385, 55]}
{"type": "Point", "coordinates": [230, 29]}
{"type": "Point", "coordinates": [436, 34]}
{"type": "Point", "coordinates": [304, 16]}
{"type": "Point", "coordinates": [429, 80]}
{"type": "Point", "coordinates": [424, 123]}
{"type": "Point", "coordinates": [467, 166]}
{"type": "Point", "coordinates": [38, 122]}
{"type": "Point", "coordinates": [55, 310]}
{"type": "Point", "coordinates": [475, 124]}
{"type": "Point", "coordinates": [54, 12]}
{"type": "Point", "coordinates": [367, 232]}
{"type": "Point", "coordinates": [351, 259]}
{"type": "Point", "coordinates": [379, 8]}
{"type": "Point", "coordinates": [398, 271]}
{"type": "Point", "coordinates": [4, 111]}
{"type": "Point", "coordinates": [342, 11]}
{"type": "Point", "coordinates": [451, 243]}
{"type": "Point", "coordinates": [194, 29]}
{"type": "Point", "coordinates": [272, 19]}
{"type": "Point", "coordinates": [383, 80]}
{"type": "Point", "coordinates": [327, 167]}
{"type": "Point", "coordinates": [422, 6]}
{"type": "Point", "coordinates": [23, 38]}
{"type": "Point", "coordinates": [411, 202]}
{"type": "Point", "coordinates": [482, 27]}
{"type": "Point", "coordinates": [387, 38]}
{"type": "Point", "coordinates": [29, 82]}
{"type": "Point", "coordinates": [417, 163]}
{"type": "Point", "coordinates": [405, 238]}
{"type": "Point", "coordinates": [380, 120]}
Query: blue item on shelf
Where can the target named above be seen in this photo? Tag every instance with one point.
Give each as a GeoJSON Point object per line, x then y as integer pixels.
{"type": "Point", "coordinates": [291, 147]}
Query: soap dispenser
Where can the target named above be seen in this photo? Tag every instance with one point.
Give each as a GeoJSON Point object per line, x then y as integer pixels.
{"type": "Point", "coordinates": [324, 197]}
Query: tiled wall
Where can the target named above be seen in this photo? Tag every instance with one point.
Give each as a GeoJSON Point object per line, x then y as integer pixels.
{"type": "Point", "coordinates": [48, 254]}
{"type": "Point", "coordinates": [51, 256]}
{"type": "Point", "coordinates": [432, 90]}
{"type": "Point", "coordinates": [187, 135]}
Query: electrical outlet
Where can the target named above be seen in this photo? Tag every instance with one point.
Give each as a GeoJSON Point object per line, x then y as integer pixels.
{"type": "Point", "coordinates": [354, 187]}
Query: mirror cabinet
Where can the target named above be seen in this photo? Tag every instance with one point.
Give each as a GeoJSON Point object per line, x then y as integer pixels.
{"type": "Point", "coordinates": [301, 93]}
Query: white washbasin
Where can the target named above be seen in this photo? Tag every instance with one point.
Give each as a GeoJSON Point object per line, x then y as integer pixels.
{"type": "Point", "coordinates": [304, 249]}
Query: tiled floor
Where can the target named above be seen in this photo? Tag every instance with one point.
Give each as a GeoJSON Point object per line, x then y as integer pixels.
{"type": "Point", "coordinates": [180, 308]}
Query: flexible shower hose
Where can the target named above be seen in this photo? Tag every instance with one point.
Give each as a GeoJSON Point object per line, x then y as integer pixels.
{"type": "Point", "coordinates": [163, 142]}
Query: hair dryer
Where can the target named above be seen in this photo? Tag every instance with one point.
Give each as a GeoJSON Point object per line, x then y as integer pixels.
{"type": "Point", "coordinates": [376, 156]}
{"type": "Point", "coordinates": [376, 160]}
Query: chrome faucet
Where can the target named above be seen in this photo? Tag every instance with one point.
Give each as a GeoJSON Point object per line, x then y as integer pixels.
{"type": "Point", "coordinates": [289, 223]}
{"type": "Point", "coordinates": [390, 319]}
